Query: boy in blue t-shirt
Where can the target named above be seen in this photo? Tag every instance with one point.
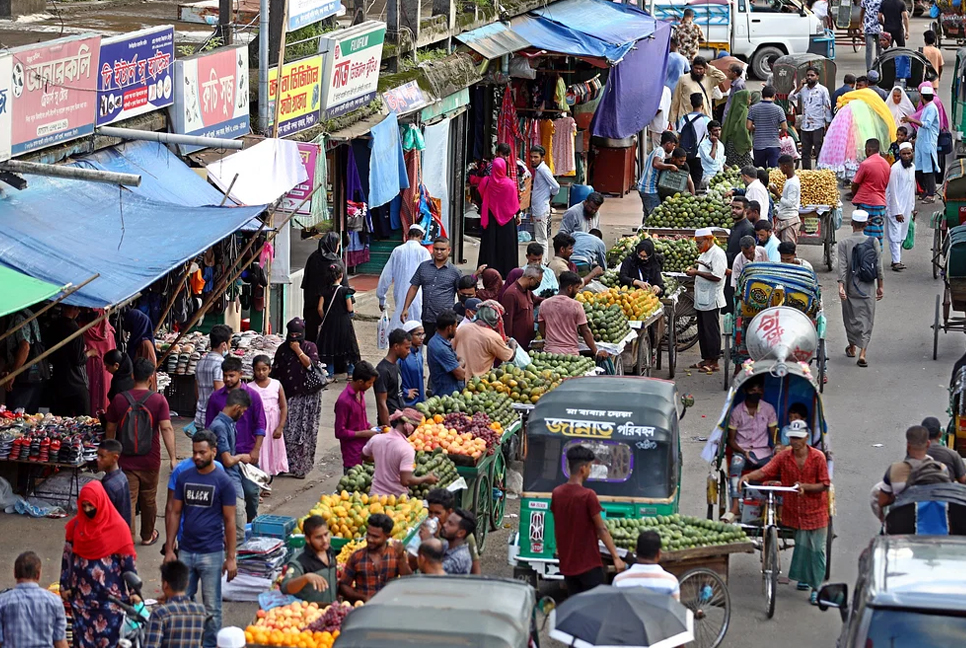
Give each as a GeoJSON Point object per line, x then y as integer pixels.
{"type": "Point", "coordinates": [204, 507]}
{"type": "Point", "coordinates": [797, 415]}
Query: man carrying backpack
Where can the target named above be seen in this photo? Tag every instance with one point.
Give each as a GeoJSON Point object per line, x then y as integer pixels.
{"type": "Point", "coordinates": [860, 284]}
{"type": "Point", "coordinates": [139, 419]}
{"type": "Point", "coordinates": [918, 468]}
{"type": "Point", "coordinates": [693, 129]}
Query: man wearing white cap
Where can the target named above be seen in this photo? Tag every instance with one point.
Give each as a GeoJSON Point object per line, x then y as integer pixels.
{"type": "Point", "coordinates": [900, 202]}
{"type": "Point", "coordinates": [399, 271]}
{"type": "Point", "coordinates": [859, 259]}
{"type": "Point", "coordinates": [709, 297]}
{"type": "Point", "coordinates": [927, 140]}
{"type": "Point", "coordinates": [805, 511]}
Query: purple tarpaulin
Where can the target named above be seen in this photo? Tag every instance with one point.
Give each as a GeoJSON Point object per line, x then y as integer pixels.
{"type": "Point", "coordinates": [632, 94]}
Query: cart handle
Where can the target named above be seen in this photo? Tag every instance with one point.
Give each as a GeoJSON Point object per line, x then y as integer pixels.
{"type": "Point", "coordinates": [773, 489]}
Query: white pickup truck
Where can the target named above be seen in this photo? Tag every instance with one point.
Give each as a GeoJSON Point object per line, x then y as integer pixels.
{"type": "Point", "coordinates": [756, 31]}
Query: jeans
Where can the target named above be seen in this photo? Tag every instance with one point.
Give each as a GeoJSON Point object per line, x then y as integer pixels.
{"type": "Point", "coordinates": [871, 44]}
{"type": "Point", "coordinates": [650, 202]}
{"type": "Point", "coordinates": [206, 567]}
{"type": "Point", "coordinates": [738, 466]}
{"type": "Point", "coordinates": [767, 157]}
{"type": "Point", "coordinates": [811, 140]}
{"type": "Point", "coordinates": [251, 498]}
{"type": "Point", "coordinates": [143, 485]}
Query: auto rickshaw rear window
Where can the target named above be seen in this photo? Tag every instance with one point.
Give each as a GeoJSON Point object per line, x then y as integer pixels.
{"type": "Point", "coordinates": [614, 463]}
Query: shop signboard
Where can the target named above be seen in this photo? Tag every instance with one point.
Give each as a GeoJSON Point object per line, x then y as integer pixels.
{"type": "Point", "coordinates": [54, 87]}
{"type": "Point", "coordinates": [309, 153]}
{"type": "Point", "coordinates": [301, 90]}
{"type": "Point", "coordinates": [6, 106]}
{"type": "Point", "coordinates": [211, 95]}
{"type": "Point", "coordinates": [352, 58]}
{"type": "Point", "coordinates": [446, 105]}
{"type": "Point", "coordinates": [306, 12]}
{"type": "Point", "coordinates": [405, 98]}
{"type": "Point", "coordinates": [135, 74]}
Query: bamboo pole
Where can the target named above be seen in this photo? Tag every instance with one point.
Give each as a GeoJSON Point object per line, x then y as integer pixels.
{"type": "Point", "coordinates": [107, 313]}
{"type": "Point", "coordinates": [227, 193]}
{"type": "Point", "coordinates": [68, 291]}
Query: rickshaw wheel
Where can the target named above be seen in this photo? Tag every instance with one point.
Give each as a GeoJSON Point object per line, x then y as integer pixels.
{"type": "Point", "coordinates": [770, 568]}
{"type": "Point", "coordinates": [686, 323]}
{"type": "Point", "coordinates": [821, 359]}
{"type": "Point", "coordinates": [937, 241]}
{"type": "Point", "coordinates": [828, 548]}
{"type": "Point", "coordinates": [935, 332]}
{"type": "Point", "coordinates": [643, 367]}
{"type": "Point", "coordinates": [481, 506]}
{"type": "Point", "coordinates": [705, 593]}
{"type": "Point", "coordinates": [498, 506]}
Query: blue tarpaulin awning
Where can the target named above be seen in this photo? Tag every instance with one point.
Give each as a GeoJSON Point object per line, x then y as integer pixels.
{"type": "Point", "coordinates": [547, 35]}
{"type": "Point", "coordinates": [493, 40]}
{"type": "Point", "coordinates": [610, 22]}
{"type": "Point", "coordinates": [63, 231]}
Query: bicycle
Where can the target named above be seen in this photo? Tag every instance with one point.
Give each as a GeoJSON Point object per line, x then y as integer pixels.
{"type": "Point", "coordinates": [770, 563]}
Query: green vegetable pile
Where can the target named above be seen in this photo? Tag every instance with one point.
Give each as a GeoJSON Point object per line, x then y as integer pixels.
{"type": "Point", "coordinates": [439, 464]}
{"type": "Point", "coordinates": [678, 254]}
{"type": "Point", "coordinates": [610, 279]}
{"type": "Point", "coordinates": [497, 406]}
{"type": "Point", "coordinates": [561, 363]}
{"type": "Point", "coordinates": [607, 323]}
{"type": "Point", "coordinates": [677, 532]}
{"type": "Point", "coordinates": [357, 480]}
{"type": "Point", "coordinates": [729, 178]}
{"type": "Point", "coordinates": [684, 211]}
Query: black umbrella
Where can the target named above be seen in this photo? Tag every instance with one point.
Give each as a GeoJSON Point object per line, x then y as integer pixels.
{"type": "Point", "coordinates": [609, 616]}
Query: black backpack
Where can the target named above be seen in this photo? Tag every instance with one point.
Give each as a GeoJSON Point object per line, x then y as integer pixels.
{"type": "Point", "coordinates": [689, 136]}
{"type": "Point", "coordinates": [136, 428]}
{"type": "Point", "coordinates": [865, 266]}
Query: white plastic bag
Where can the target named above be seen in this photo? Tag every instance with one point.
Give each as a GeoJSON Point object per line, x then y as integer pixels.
{"type": "Point", "coordinates": [521, 358]}
{"type": "Point", "coordinates": [382, 331]}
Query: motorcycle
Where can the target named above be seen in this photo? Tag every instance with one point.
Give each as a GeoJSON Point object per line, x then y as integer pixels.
{"type": "Point", "coordinates": [135, 621]}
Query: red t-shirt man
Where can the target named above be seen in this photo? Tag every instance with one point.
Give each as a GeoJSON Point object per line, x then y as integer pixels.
{"type": "Point", "coordinates": [872, 179]}
{"type": "Point", "coordinates": [578, 525]}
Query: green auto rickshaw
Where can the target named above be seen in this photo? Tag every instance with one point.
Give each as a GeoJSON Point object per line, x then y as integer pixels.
{"type": "Point", "coordinates": [631, 424]}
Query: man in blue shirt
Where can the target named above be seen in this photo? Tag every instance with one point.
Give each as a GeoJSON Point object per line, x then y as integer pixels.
{"type": "Point", "coordinates": [172, 484]}
{"type": "Point", "coordinates": [29, 615]}
{"type": "Point", "coordinates": [589, 250]}
{"type": "Point", "coordinates": [677, 65]}
{"type": "Point", "coordinates": [225, 433]}
{"type": "Point", "coordinates": [445, 373]}
{"type": "Point", "coordinates": [114, 480]}
{"type": "Point", "coordinates": [205, 501]}
{"type": "Point", "coordinates": [768, 240]}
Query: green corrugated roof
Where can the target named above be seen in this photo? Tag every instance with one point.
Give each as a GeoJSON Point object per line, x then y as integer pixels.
{"type": "Point", "coordinates": [19, 291]}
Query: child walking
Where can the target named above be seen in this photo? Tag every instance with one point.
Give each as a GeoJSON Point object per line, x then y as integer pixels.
{"type": "Point", "coordinates": [274, 459]}
{"type": "Point", "coordinates": [337, 342]}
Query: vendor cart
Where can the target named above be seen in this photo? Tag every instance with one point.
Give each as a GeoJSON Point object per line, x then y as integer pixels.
{"type": "Point", "coordinates": [847, 17]}
{"type": "Point", "coordinates": [678, 315]}
{"type": "Point", "coordinates": [950, 26]}
{"type": "Point", "coordinates": [819, 223]}
{"type": "Point", "coordinates": [638, 357]}
{"type": "Point", "coordinates": [485, 492]}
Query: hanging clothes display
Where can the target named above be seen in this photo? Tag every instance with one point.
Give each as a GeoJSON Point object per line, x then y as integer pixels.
{"type": "Point", "coordinates": [436, 163]}
{"type": "Point", "coordinates": [564, 136]}
{"type": "Point", "coordinates": [546, 141]}
{"type": "Point", "coordinates": [358, 224]}
{"type": "Point", "coordinates": [508, 130]}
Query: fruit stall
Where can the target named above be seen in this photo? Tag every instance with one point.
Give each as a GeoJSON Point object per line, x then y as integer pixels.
{"type": "Point", "coordinates": [298, 625]}
{"type": "Point", "coordinates": [821, 211]}
{"type": "Point", "coordinates": [644, 314]}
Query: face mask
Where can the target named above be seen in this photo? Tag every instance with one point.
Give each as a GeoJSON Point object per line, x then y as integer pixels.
{"type": "Point", "coordinates": [91, 513]}
{"type": "Point", "coordinates": [753, 399]}
{"type": "Point", "coordinates": [463, 298]}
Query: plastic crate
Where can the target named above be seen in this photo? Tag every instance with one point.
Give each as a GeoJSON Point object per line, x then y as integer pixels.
{"type": "Point", "coordinates": [273, 526]}
{"type": "Point", "coordinates": [673, 181]}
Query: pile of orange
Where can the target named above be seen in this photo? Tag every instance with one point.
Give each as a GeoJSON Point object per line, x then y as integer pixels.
{"type": "Point", "coordinates": [433, 434]}
{"type": "Point", "coordinates": [255, 635]}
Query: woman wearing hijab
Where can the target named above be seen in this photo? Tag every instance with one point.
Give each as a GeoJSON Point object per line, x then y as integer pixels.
{"type": "Point", "coordinates": [293, 361]}
{"type": "Point", "coordinates": [98, 550]}
{"type": "Point", "coordinates": [734, 134]}
{"type": "Point", "coordinates": [642, 269]}
{"type": "Point", "coordinates": [492, 285]}
{"type": "Point", "coordinates": [501, 202]}
{"type": "Point", "coordinates": [318, 274]}
{"type": "Point", "coordinates": [899, 105]}
{"type": "Point", "coordinates": [140, 341]}
{"type": "Point", "coordinates": [99, 340]}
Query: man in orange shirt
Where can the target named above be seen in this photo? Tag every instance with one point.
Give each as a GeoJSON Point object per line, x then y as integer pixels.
{"type": "Point", "coordinates": [481, 343]}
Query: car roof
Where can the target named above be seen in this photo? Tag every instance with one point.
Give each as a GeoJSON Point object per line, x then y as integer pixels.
{"type": "Point", "coordinates": [927, 572]}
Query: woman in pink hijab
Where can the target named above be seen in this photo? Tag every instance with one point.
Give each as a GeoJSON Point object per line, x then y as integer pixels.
{"type": "Point", "coordinates": [943, 117]}
{"type": "Point", "coordinates": [501, 203]}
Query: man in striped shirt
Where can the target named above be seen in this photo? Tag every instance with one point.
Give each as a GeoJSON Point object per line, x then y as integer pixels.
{"type": "Point", "coordinates": [646, 572]}
{"type": "Point", "coordinates": [647, 186]}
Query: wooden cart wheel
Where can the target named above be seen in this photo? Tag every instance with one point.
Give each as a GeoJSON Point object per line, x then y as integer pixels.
{"type": "Point", "coordinates": [937, 241]}
{"type": "Point", "coordinates": [828, 547]}
{"type": "Point", "coordinates": [829, 244]}
{"type": "Point", "coordinates": [618, 364]}
{"type": "Point", "coordinates": [935, 332]}
{"type": "Point", "coordinates": [705, 593]}
{"type": "Point", "coordinates": [643, 366]}
{"type": "Point", "coordinates": [481, 506]}
{"type": "Point", "coordinates": [498, 500]}
{"type": "Point", "coordinates": [723, 493]}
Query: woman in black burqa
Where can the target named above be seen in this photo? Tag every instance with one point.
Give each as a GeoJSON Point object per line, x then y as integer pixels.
{"type": "Point", "coordinates": [318, 274]}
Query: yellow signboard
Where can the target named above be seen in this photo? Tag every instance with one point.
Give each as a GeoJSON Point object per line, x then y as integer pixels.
{"type": "Point", "coordinates": [301, 92]}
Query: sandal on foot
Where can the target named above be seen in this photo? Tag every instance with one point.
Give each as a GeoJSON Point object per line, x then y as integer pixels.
{"type": "Point", "coordinates": [802, 587]}
{"type": "Point", "coordinates": [154, 538]}
{"type": "Point", "coordinates": [813, 598]}
{"type": "Point", "coordinates": [862, 362]}
{"type": "Point", "coordinates": [850, 351]}
{"type": "Point", "coordinates": [699, 365]}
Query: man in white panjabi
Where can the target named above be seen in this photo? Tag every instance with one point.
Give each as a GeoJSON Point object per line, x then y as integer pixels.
{"type": "Point", "coordinates": [900, 202]}
{"type": "Point", "coordinates": [398, 272]}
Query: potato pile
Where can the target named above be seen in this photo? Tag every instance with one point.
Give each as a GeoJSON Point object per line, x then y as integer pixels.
{"type": "Point", "coordinates": [819, 187]}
